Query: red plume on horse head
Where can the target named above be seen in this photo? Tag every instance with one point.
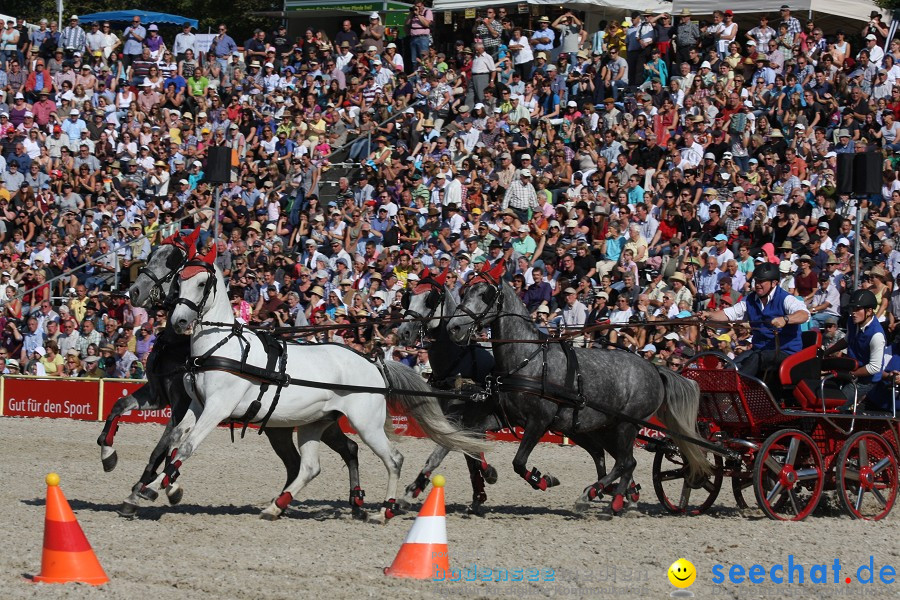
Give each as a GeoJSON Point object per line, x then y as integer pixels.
{"type": "Point", "coordinates": [210, 257]}
{"type": "Point", "coordinates": [494, 272]}
{"type": "Point", "coordinates": [442, 278]}
{"type": "Point", "coordinates": [190, 241]}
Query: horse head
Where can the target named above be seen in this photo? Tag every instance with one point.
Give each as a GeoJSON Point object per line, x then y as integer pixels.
{"type": "Point", "coordinates": [481, 302]}
{"type": "Point", "coordinates": [423, 308]}
{"type": "Point", "coordinates": [154, 281]}
{"type": "Point", "coordinates": [199, 279]}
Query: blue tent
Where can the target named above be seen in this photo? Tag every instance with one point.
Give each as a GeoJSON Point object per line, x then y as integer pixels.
{"type": "Point", "coordinates": [146, 17]}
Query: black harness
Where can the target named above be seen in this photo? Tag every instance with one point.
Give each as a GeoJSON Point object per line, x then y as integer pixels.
{"type": "Point", "coordinates": [276, 355]}
{"type": "Point", "coordinates": [569, 394]}
{"type": "Point", "coordinates": [276, 364]}
{"type": "Point", "coordinates": [174, 264]}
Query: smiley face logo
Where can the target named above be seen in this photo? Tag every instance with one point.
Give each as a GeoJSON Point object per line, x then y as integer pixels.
{"type": "Point", "coordinates": [682, 573]}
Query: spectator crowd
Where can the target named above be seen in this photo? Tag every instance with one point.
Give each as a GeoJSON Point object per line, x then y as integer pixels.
{"type": "Point", "coordinates": [632, 175]}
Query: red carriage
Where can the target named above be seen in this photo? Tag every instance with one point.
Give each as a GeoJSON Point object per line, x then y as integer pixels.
{"type": "Point", "coordinates": [790, 440]}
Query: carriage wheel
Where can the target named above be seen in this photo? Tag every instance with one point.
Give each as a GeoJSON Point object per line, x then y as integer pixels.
{"type": "Point", "coordinates": [788, 476]}
{"type": "Point", "coordinates": [671, 485]}
{"type": "Point", "coordinates": [739, 484]}
{"type": "Point", "coordinates": [867, 476]}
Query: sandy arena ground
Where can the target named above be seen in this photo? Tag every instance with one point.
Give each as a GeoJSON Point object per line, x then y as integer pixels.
{"type": "Point", "coordinates": [214, 543]}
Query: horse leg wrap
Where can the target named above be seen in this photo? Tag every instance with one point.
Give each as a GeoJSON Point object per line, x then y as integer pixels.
{"type": "Point", "coordinates": [421, 483]}
{"type": "Point", "coordinates": [618, 503]}
{"type": "Point", "coordinates": [356, 496]}
{"type": "Point", "coordinates": [111, 434]}
{"type": "Point", "coordinates": [536, 480]}
{"type": "Point", "coordinates": [171, 470]}
{"type": "Point", "coordinates": [284, 500]}
{"type": "Point", "coordinates": [484, 463]}
{"type": "Point", "coordinates": [595, 491]}
{"type": "Point", "coordinates": [391, 508]}
{"type": "Point", "coordinates": [634, 491]}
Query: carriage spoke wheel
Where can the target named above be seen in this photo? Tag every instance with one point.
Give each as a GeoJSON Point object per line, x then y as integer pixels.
{"type": "Point", "coordinates": [739, 484]}
{"type": "Point", "coordinates": [677, 494]}
{"type": "Point", "coordinates": [867, 476]}
{"type": "Point", "coordinates": [788, 476]}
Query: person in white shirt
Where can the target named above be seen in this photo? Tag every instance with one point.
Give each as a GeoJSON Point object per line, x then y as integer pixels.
{"type": "Point", "coordinates": [185, 41]}
{"type": "Point", "coordinates": [876, 53]}
{"type": "Point", "coordinates": [454, 220]}
{"type": "Point", "coordinates": [574, 314]}
{"type": "Point", "coordinates": [691, 153]}
{"type": "Point", "coordinates": [523, 56]}
{"type": "Point", "coordinates": [721, 251]}
{"type": "Point", "coordinates": [453, 192]}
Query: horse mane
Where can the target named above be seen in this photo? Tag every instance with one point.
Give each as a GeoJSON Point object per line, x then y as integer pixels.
{"type": "Point", "coordinates": [513, 304]}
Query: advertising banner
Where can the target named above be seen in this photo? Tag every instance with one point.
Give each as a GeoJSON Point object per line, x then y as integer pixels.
{"type": "Point", "coordinates": [113, 389]}
{"type": "Point", "coordinates": [51, 398]}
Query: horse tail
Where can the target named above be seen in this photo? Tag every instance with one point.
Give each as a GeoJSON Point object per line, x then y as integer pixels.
{"type": "Point", "coordinates": [427, 411]}
{"type": "Point", "coordinates": [389, 428]}
{"type": "Point", "coordinates": [678, 413]}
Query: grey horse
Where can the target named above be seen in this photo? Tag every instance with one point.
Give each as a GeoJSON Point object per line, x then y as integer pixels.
{"type": "Point", "coordinates": [426, 309]}
{"type": "Point", "coordinates": [165, 387]}
{"type": "Point", "coordinates": [611, 388]}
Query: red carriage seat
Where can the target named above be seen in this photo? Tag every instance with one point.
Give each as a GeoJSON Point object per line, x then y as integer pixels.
{"type": "Point", "coordinates": [801, 376]}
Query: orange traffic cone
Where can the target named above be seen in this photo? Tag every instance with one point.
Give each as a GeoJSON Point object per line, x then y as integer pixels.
{"type": "Point", "coordinates": [67, 554]}
{"type": "Point", "coordinates": [424, 552]}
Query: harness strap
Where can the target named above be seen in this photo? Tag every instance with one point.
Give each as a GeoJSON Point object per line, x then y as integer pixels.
{"type": "Point", "coordinates": [282, 367]}
{"type": "Point", "coordinates": [220, 363]}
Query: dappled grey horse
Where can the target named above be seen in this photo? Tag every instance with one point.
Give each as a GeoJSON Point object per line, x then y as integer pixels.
{"type": "Point", "coordinates": [454, 367]}
{"type": "Point", "coordinates": [595, 406]}
{"type": "Point", "coordinates": [165, 387]}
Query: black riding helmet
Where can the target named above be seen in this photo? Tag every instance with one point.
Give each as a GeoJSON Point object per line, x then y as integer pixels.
{"type": "Point", "coordinates": [863, 299]}
{"type": "Point", "coordinates": [766, 272]}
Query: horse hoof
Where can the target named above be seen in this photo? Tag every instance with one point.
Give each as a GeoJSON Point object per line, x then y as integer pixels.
{"type": "Point", "coordinates": [404, 502]}
{"type": "Point", "coordinates": [146, 493]}
{"type": "Point", "coordinates": [174, 493]}
{"type": "Point", "coordinates": [109, 460]}
{"type": "Point", "coordinates": [490, 475]}
{"type": "Point", "coordinates": [359, 514]}
{"type": "Point", "coordinates": [551, 481]}
{"type": "Point", "coordinates": [272, 513]}
{"type": "Point", "coordinates": [581, 506]}
{"type": "Point", "coordinates": [378, 518]}
{"type": "Point", "coordinates": [477, 509]}
{"type": "Point", "coordinates": [127, 510]}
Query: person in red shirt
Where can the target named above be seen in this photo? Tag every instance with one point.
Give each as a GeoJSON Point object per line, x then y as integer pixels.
{"type": "Point", "coordinates": [797, 164]}
{"type": "Point", "coordinates": [805, 279]}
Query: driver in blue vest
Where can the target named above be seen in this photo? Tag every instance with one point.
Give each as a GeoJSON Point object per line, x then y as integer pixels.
{"type": "Point", "coordinates": [775, 317]}
{"type": "Point", "coordinates": [865, 343]}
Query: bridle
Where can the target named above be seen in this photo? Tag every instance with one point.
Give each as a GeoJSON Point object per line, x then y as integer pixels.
{"type": "Point", "coordinates": [437, 293]}
{"type": "Point", "coordinates": [436, 296]}
{"type": "Point", "coordinates": [209, 286]}
{"type": "Point", "coordinates": [492, 297]}
{"type": "Point", "coordinates": [156, 292]}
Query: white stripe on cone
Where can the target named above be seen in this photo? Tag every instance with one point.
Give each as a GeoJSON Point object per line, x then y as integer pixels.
{"type": "Point", "coordinates": [428, 530]}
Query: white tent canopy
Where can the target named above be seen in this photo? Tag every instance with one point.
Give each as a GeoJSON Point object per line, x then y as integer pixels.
{"type": "Point", "coordinates": [612, 7]}
{"type": "Point", "coordinates": [858, 10]}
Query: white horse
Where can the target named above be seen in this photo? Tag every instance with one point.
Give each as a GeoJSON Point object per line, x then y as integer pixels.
{"type": "Point", "coordinates": [218, 395]}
